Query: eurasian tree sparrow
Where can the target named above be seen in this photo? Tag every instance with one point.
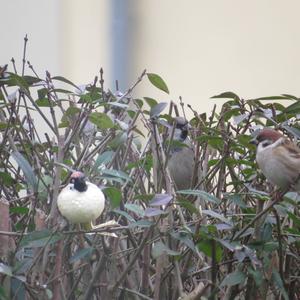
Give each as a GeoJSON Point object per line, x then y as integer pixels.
{"type": "Point", "coordinates": [278, 158]}
{"type": "Point", "coordinates": [181, 161]}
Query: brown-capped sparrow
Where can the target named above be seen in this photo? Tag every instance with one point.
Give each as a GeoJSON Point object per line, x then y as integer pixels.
{"type": "Point", "coordinates": [278, 158]}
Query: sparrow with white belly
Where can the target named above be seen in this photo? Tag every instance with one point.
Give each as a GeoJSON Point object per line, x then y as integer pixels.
{"type": "Point", "coordinates": [81, 201]}
{"type": "Point", "coordinates": [278, 158]}
{"type": "Point", "coordinates": [181, 160]}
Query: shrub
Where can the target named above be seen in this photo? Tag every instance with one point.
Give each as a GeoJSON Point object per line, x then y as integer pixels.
{"type": "Point", "coordinates": [165, 246]}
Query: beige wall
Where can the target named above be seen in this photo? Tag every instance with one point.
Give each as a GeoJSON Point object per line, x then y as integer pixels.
{"type": "Point", "coordinates": [41, 21]}
{"type": "Point", "coordinates": [201, 48]}
{"type": "Point", "coordinates": [86, 40]}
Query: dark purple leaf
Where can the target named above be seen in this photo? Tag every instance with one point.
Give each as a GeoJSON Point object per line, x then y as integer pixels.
{"type": "Point", "coordinates": [161, 199]}
{"type": "Point", "coordinates": [151, 212]}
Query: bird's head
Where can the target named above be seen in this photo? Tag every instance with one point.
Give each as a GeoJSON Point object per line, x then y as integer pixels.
{"type": "Point", "coordinates": [78, 180]}
{"type": "Point", "coordinates": [181, 128]}
{"type": "Point", "coordinates": [266, 137]}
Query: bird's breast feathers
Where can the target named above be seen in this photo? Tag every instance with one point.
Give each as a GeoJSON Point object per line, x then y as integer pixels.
{"type": "Point", "coordinates": [81, 207]}
{"type": "Point", "coordinates": [280, 162]}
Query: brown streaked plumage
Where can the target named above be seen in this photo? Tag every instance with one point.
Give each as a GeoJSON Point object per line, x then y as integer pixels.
{"type": "Point", "coordinates": [278, 158]}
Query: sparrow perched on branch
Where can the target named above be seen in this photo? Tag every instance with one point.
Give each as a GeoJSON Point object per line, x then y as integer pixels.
{"type": "Point", "coordinates": [181, 162]}
{"type": "Point", "coordinates": [81, 201]}
{"type": "Point", "coordinates": [278, 158]}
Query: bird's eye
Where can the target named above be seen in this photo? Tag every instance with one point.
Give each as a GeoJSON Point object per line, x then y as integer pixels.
{"type": "Point", "coordinates": [266, 143]}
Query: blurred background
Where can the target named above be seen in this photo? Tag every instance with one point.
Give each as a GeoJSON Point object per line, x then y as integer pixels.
{"type": "Point", "coordinates": [200, 48]}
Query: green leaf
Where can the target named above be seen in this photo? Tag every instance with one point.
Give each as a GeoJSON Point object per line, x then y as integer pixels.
{"type": "Point", "coordinates": [188, 205]}
{"type": "Point", "coordinates": [103, 159]}
{"type": "Point", "coordinates": [91, 97]}
{"type": "Point", "coordinates": [63, 91]}
{"type": "Point", "coordinates": [150, 101]}
{"type": "Point", "coordinates": [42, 93]}
{"type": "Point", "coordinates": [266, 234]}
{"type": "Point", "coordinates": [6, 179]}
{"type": "Point", "coordinates": [17, 287]}
{"type": "Point", "coordinates": [158, 82]}
{"type": "Point", "coordinates": [174, 144]}
{"type": "Point", "coordinates": [257, 276]}
{"type": "Point", "coordinates": [63, 79]}
{"type": "Point", "coordinates": [290, 97]}
{"type": "Point", "coordinates": [232, 112]}
{"type": "Point", "coordinates": [216, 215]}
{"type": "Point", "coordinates": [40, 238]}
{"type": "Point", "coordinates": [185, 238]}
{"type": "Point", "coordinates": [144, 197]}
{"type": "Point", "coordinates": [116, 173]}
{"type": "Point", "coordinates": [214, 141]}
{"type": "Point", "coordinates": [82, 253]}
{"type": "Point", "coordinates": [124, 214]}
{"type": "Point", "coordinates": [157, 109]}
{"type": "Point", "coordinates": [270, 246]}
{"type": "Point", "coordinates": [19, 210]}
{"type": "Point", "coordinates": [296, 219]}
{"type": "Point", "coordinates": [101, 120]}
{"type": "Point", "coordinates": [114, 195]}
{"type": "Point", "coordinates": [120, 139]}
{"type": "Point", "coordinates": [45, 182]}
{"type": "Point", "coordinates": [49, 293]}
{"type": "Point", "coordinates": [293, 130]}
{"type": "Point", "coordinates": [3, 295]}
{"type": "Point", "coordinates": [22, 266]}
{"type": "Point", "coordinates": [3, 126]}
{"type": "Point", "coordinates": [135, 209]}
{"type": "Point", "coordinates": [206, 247]}
{"type": "Point", "coordinates": [139, 102]}
{"type": "Point", "coordinates": [293, 108]}
{"type": "Point", "coordinates": [236, 199]}
{"type": "Point", "coordinates": [64, 122]}
{"type": "Point", "coordinates": [279, 283]}
{"type": "Point", "coordinates": [204, 195]}
{"type": "Point", "coordinates": [31, 79]}
{"type": "Point", "coordinates": [45, 102]}
{"type": "Point", "coordinates": [271, 98]}
{"type": "Point", "coordinates": [118, 104]}
{"type": "Point", "coordinates": [234, 278]}
{"type": "Point", "coordinates": [232, 246]}
{"type": "Point", "coordinates": [226, 95]}
{"type": "Point", "coordinates": [160, 248]}
{"type": "Point", "coordinates": [17, 80]}
{"type": "Point", "coordinates": [141, 223]}
{"type": "Point", "coordinates": [72, 110]}
{"type": "Point", "coordinates": [27, 170]}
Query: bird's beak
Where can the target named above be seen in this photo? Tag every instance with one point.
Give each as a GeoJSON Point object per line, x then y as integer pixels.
{"type": "Point", "coordinates": [254, 141]}
{"type": "Point", "coordinates": [187, 127]}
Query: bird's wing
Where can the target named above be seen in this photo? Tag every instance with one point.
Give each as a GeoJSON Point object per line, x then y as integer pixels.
{"type": "Point", "coordinates": [289, 155]}
{"type": "Point", "coordinates": [293, 149]}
